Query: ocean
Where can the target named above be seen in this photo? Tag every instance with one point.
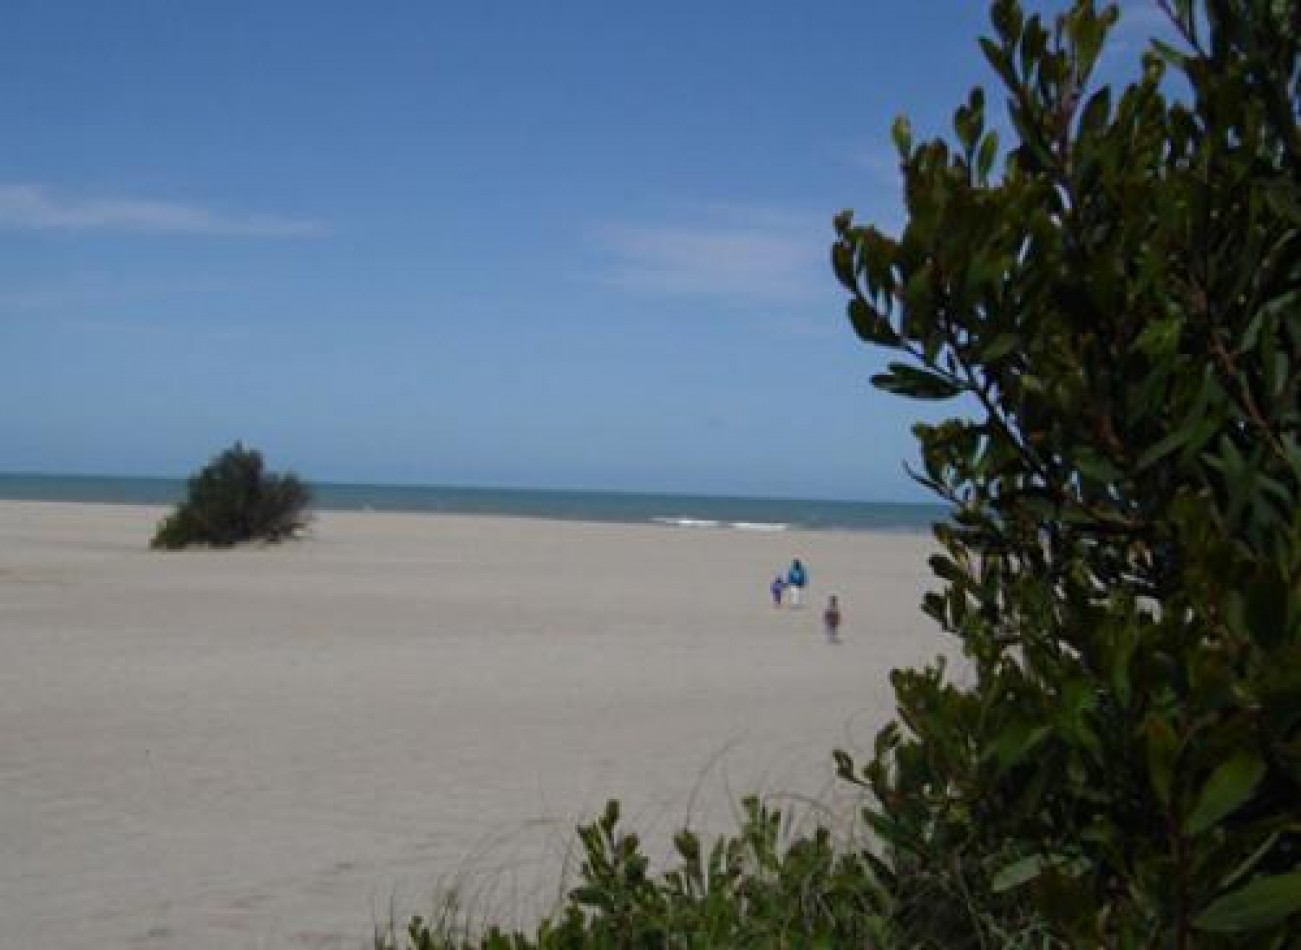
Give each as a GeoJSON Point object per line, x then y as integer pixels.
{"type": "Point", "coordinates": [682, 511]}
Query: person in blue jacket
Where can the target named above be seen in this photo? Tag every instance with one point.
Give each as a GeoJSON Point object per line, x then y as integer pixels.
{"type": "Point", "coordinates": [796, 578]}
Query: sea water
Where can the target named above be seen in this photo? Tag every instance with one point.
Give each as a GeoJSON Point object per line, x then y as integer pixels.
{"type": "Point", "coordinates": [680, 511]}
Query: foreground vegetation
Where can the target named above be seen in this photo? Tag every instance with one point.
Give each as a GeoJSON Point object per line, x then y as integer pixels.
{"type": "Point", "coordinates": [1116, 300]}
{"type": "Point", "coordinates": [232, 500]}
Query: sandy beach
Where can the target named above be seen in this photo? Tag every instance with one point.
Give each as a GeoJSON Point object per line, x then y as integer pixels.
{"type": "Point", "coordinates": [277, 747]}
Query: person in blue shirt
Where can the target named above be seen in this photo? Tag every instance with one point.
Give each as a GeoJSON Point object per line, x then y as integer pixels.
{"type": "Point", "coordinates": [796, 578]}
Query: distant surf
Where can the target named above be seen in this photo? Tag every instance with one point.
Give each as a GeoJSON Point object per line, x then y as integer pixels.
{"type": "Point", "coordinates": [675, 511]}
{"type": "Point", "coordinates": [713, 523]}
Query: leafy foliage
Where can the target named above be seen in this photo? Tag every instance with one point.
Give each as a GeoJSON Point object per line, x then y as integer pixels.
{"type": "Point", "coordinates": [1121, 303]}
{"type": "Point", "coordinates": [750, 890]}
{"type": "Point", "coordinates": [232, 500]}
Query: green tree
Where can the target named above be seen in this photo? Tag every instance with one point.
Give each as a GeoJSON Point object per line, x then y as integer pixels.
{"type": "Point", "coordinates": [1118, 296]}
{"type": "Point", "coordinates": [234, 499]}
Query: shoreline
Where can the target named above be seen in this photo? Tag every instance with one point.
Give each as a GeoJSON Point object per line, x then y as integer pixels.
{"type": "Point", "coordinates": [265, 746]}
{"type": "Point", "coordinates": [620, 507]}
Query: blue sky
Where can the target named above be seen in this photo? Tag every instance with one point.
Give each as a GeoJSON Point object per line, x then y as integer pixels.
{"type": "Point", "coordinates": [571, 244]}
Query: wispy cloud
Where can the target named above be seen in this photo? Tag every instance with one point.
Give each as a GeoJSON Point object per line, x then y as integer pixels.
{"type": "Point", "coordinates": [27, 207]}
{"type": "Point", "coordinates": [750, 255]}
{"type": "Point", "coordinates": [78, 294]}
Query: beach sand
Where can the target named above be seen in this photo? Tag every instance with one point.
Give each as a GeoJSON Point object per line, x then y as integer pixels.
{"type": "Point", "coordinates": [282, 746]}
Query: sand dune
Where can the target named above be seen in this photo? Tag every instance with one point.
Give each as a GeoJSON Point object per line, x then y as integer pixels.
{"type": "Point", "coordinates": [271, 747]}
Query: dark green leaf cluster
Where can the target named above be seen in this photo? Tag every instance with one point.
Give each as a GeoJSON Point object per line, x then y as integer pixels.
{"type": "Point", "coordinates": [1120, 300]}
{"type": "Point", "coordinates": [233, 500]}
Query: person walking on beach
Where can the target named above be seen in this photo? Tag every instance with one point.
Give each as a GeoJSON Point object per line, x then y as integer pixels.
{"type": "Point", "coordinates": [778, 588]}
{"type": "Point", "coordinates": [831, 620]}
{"type": "Point", "coordinates": [796, 578]}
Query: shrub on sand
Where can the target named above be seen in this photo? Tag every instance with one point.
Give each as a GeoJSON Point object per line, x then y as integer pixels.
{"type": "Point", "coordinates": [233, 500]}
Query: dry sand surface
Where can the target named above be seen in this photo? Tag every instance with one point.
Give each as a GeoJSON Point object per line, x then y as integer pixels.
{"type": "Point", "coordinates": [277, 747]}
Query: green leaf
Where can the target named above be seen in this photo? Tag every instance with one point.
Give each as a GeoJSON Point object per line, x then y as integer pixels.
{"type": "Point", "coordinates": [1096, 467]}
{"type": "Point", "coordinates": [1007, 19]}
{"type": "Point", "coordinates": [590, 896]}
{"type": "Point", "coordinates": [1170, 54]}
{"type": "Point", "coordinates": [1245, 866]}
{"type": "Point", "coordinates": [1016, 742]}
{"type": "Point", "coordinates": [869, 324]}
{"type": "Point", "coordinates": [1000, 346]}
{"type": "Point", "coordinates": [901, 132]}
{"type": "Point", "coordinates": [1096, 112]}
{"type": "Point", "coordinates": [998, 59]}
{"type": "Point", "coordinates": [1262, 903]}
{"type": "Point", "coordinates": [918, 383]}
{"type": "Point", "coordinates": [842, 263]}
{"type": "Point", "coordinates": [988, 152]}
{"type": "Point", "coordinates": [1229, 787]}
{"type": "Point", "coordinates": [1025, 870]}
{"type": "Point", "coordinates": [1164, 447]}
{"type": "Point", "coordinates": [1017, 873]}
{"type": "Point", "coordinates": [1162, 750]}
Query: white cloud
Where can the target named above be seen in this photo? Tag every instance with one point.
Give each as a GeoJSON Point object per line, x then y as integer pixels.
{"type": "Point", "coordinates": [751, 255]}
{"type": "Point", "coordinates": [25, 207]}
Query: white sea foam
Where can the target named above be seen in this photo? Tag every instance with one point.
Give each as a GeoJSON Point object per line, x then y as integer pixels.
{"type": "Point", "coordinates": [688, 522]}
{"type": "Point", "coordinates": [678, 522]}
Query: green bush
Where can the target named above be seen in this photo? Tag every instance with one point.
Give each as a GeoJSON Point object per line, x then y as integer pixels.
{"type": "Point", "coordinates": [750, 890]}
{"type": "Point", "coordinates": [1119, 305]}
{"type": "Point", "coordinates": [233, 500]}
